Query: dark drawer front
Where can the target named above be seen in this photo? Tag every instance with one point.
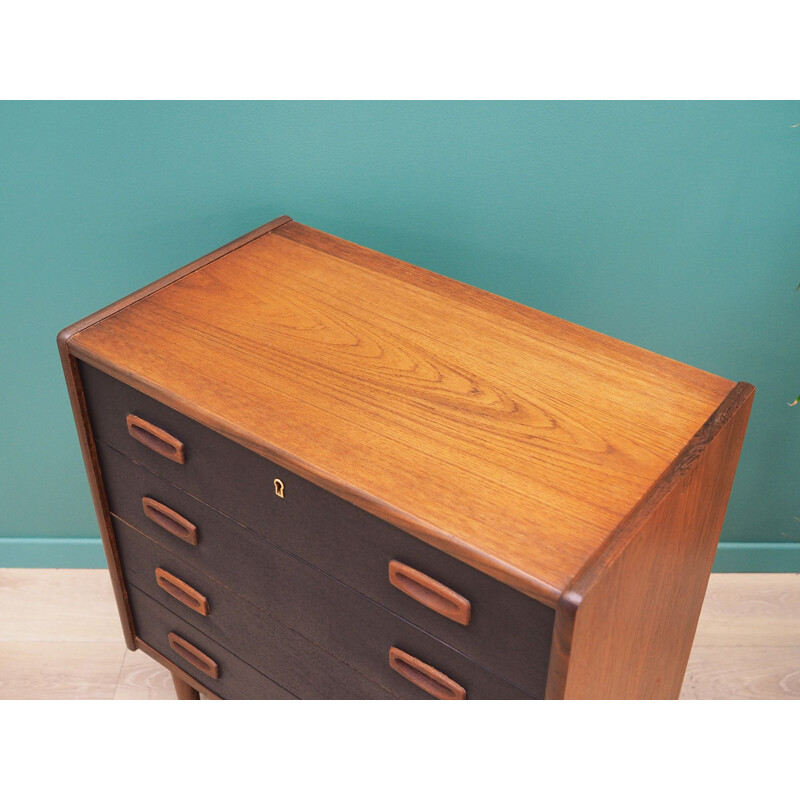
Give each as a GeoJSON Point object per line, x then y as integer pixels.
{"type": "Point", "coordinates": [260, 572]}
{"type": "Point", "coordinates": [341, 622]}
{"type": "Point", "coordinates": [236, 680]}
{"type": "Point", "coordinates": [508, 631]}
{"type": "Point", "coordinates": [253, 635]}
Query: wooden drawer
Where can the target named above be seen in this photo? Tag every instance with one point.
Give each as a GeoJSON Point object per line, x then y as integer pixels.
{"type": "Point", "coordinates": [257, 638]}
{"type": "Point", "coordinates": [508, 632]}
{"type": "Point", "coordinates": [235, 679]}
{"type": "Point", "coordinates": [273, 579]}
{"type": "Point", "coordinates": [342, 622]}
{"type": "Point", "coordinates": [454, 414]}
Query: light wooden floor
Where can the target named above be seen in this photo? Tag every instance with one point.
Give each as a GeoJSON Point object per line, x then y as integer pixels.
{"type": "Point", "coordinates": [60, 639]}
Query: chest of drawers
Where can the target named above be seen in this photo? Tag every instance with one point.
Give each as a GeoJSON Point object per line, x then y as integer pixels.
{"type": "Point", "coordinates": [320, 472]}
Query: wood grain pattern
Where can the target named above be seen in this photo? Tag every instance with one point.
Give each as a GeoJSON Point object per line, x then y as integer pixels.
{"type": "Point", "coordinates": [425, 677]}
{"type": "Point", "coordinates": [182, 592]}
{"type": "Point", "coordinates": [743, 673]}
{"type": "Point", "coordinates": [134, 297]}
{"type": "Point", "coordinates": [169, 520]}
{"type": "Point", "coordinates": [345, 638]}
{"type": "Point", "coordinates": [142, 678]}
{"type": "Point", "coordinates": [515, 441]}
{"type": "Point", "coordinates": [183, 690]}
{"type": "Point", "coordinates": [236, 679]}
{"type": "Point", "coordinates": [82, 422]}
{"type": "Point", "coordinates": [508, 630]}
{"type": "Point", "coordinates": [64, 670]}
{"type": "Point", "coordinates": [753, 610]}
{"type": "Point", "coordinates": [196, 657]}
{"type": "Point", "coordinates": [625, 626]}
{"type": "Point", "coordinates": [754, 617]}
{"type": "Point", "coordinates": [54, 605]}
{"type": "Point", "coordinates": [159, 441]}
{"type": "Point", "coordinates": [90, 462]}
{"type": "Point", "coordinates": [173, 669]}
{"type": "Point", "coordinates": [584, 472]}
{"type": "Point", "coordinates": [431, 593]}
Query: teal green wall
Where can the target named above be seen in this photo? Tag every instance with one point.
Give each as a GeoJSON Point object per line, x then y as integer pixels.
{"type": "Point", "coordinates": [672, 225]}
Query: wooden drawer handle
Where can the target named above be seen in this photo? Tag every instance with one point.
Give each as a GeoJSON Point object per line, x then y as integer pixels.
{"type": "Point", "coordinates": [182, 592]}
{"type": "Point", "coordinates": [171, 521]}
{"type": "Point", "coordinates": [430, 593]}
{"type": "Point", "coordinates": [428, 679]}
{"type": "Point", "coordinates": [197, 658]}
{"type": "Point", "coordinates": [158, 440]}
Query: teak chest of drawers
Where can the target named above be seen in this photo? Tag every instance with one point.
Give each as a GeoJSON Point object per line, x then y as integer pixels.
{"type": "Point", "coordinates": [321, 472]}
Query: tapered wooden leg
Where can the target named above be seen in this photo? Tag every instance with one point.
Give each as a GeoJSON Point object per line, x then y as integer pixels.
{"type": "Point", "coordinates": [183, 690]}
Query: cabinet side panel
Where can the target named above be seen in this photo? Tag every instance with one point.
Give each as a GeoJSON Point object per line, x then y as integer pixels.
{"type": "Point", "coordinates": [89, 452]}
{"type": "Point", "coordinates": [627, 624]}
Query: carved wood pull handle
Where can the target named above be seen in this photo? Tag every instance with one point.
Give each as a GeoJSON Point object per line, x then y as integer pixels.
{"type": "Point", "coordinates": [182, 592]}
{"type": "Point", "coordinates": [197, 658]}
{"type": "Point", "coordinates": [171, 521]}
{"type": "Point", "coordinates": [430, 593]}
{"type": "Point", "coordinates": [428, 679]}
{"type": "Point", "coordinates": [158, 440]}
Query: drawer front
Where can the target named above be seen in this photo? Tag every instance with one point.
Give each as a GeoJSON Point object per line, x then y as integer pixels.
{"type": "Point", "coordinates": [345, 626]}
{"type": "Point", "coordinates": [507, 632]}
{"type": "Point", "coordinates": [257, 638]}
{"type": "Point", "coordinates": [235, 680]}
{"type": "Point", "coordinates": [263, 574]}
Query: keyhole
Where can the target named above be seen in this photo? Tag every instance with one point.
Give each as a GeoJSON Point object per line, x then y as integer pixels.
{"type": "Point", "coordinates": [278, 487]}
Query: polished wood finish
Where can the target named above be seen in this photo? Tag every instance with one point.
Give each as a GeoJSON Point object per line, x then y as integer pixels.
{"type": "Point", "coordinates": [237, 680]}
{"type": "Point", "coordinates": [89, 453]}
{"type": "Point", "coordinates": [637, 603]}
{"type": "Point", "coordinates": [196, 657]}
{"type": "Point", "coordinates": [175, 670]}
{"type": "Point", "coordinates": [158, 440]}
{"type": "Point", "coordinates": [509, 632]}
{"type": "Point", "coordinates": [156, 286]}
{"type": "Point", "coordinates": [171, 521]}
{"type": "Point", "coordinates": [513, 440]}
{"type": "Point", "coordinates": [182, 592]}
{"type": "Point", "coordinates": [429, 592]}
{"type": "Point", "coordinates": [587, 474]}
{"type": "Point", "coordinates": [310, 634]}
{"type": "Point", "coordinates": [426, 677]}
{"type": "Point", "coordinates": [69, 365]}
{"type": "Point", "coordinates": [183, 690]}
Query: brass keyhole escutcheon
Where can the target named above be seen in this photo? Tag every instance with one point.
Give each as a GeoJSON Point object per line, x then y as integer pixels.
{"type": "Point", "coordinates": [278, 487]}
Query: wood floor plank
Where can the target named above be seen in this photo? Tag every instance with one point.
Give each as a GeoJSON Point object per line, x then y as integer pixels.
{"type": "Point", "coordinates": [142, 678]}
{"type": "Point", "coordinates": [743, 673]}
{"type": "Point", "coordinates": [750, 610]}
{"type": "Point", "coordinates": [58, 605]}
{"type": "Point", "coordinates": [60, 670]}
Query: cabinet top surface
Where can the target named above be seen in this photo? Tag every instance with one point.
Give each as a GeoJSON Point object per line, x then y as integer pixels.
{"type": "Point", "coordinates": [505, 436]}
